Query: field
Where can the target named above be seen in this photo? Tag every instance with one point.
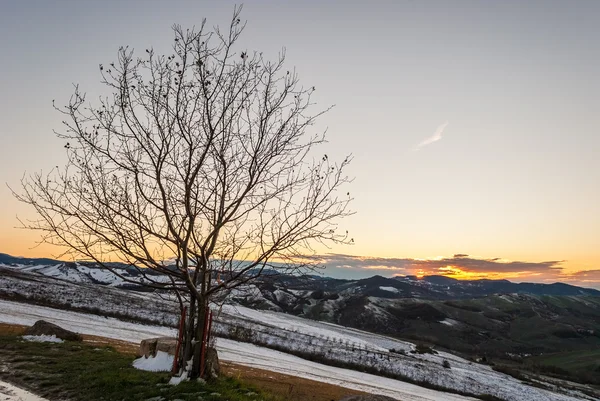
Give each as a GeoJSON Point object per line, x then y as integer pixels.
{"type": "Point", "coordinates": [229, 351]}
{"type": "Point", "coordinates": [77, 371]}
{"type": "Point", "coordinates": [481, 377]}
{"type": "Point", "coordinates": [287, 387]}
{"type": "Point", "coordinates": [584, 364]}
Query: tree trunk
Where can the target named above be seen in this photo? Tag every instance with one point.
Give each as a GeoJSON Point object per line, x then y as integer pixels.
{"type": "Point", "coordinates": [199, 336]}
{"type": "Point", "coordinates": [188, 335]}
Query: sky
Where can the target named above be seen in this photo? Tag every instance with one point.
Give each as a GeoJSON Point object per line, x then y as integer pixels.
{"type": "Point", "coordinates": [473, 124]}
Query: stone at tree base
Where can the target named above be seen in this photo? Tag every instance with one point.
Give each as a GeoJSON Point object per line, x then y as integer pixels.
{"type": "Point", "coordinates": [43, 328]}
{"type": "Point", "coordinates": [212, 366]}
{"type": "Point", "coordinates": [367, 398]}
{"type": "Point", "coordinates": [150, 346]}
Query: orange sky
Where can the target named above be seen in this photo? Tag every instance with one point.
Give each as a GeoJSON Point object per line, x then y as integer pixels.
{"type": "Point", "coordinates": [474, 129]}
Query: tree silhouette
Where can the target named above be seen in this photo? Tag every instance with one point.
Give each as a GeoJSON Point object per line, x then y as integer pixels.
{"type": "Point", "coordinates": [199, 166]}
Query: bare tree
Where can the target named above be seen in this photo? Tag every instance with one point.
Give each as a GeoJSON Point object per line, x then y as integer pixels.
{"type": "Point", "coordinates": [199, 166]}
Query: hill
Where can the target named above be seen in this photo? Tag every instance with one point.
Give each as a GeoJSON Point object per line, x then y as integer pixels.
{"type": "Point", "coordinates": [515, 323]}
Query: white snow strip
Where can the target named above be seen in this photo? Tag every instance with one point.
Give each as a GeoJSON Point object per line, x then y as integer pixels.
{"type": "Point", "coordinates": [43, 339]}
{"type": "Point", "coordinates": [162, 362]}
{"type": "Point", "coordinates": [8, 392]}
{"type": "Point", "coordinates": [390, 289]}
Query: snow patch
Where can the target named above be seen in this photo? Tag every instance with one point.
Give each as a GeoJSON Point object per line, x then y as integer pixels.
{"type": "Point", "coordinates": [507, 298]}
{"type": "Point", "coordinates": [8, 392]}
{"type": "Point", "coordinates": [43, 339]}
{"type": "Point", "coordinates": [449, 322]}
{"type": "Point", "coordinates": [389, 289]}
{"type": "Point", "coordinates": [162, 362]}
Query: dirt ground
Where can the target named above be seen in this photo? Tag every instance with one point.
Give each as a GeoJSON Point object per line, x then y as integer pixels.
{"type": "Point", "coordinates": [291, 387]}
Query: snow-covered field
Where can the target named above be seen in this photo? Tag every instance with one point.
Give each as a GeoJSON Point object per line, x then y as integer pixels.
{"type": "Point", "coordinates": [8, 392]}
{"type": "Point", "coordinates": [275, 361]}
{"type": "Point", "coordinates": [25, 314]}
{"type": "Point", "coordinates": [260, 357]}
{"type": "Point", "coordinates": [92, 298]}
{"type": "Point", "coordinates": [370, 341]}
{"type": "Point", "coordinates": [351, 345]}
{"type": "Point", "coordinates": [241, 353]}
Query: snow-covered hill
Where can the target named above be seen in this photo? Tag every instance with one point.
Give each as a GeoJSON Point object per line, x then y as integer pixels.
{"type": "Point", "coordinates": [81, 272]}
{"type": "Point", "coordinates": [479, 318]}
{"type": "Point", "coordinates": [333, 344]}
{"type": "Point", "coordinates": [462, 374]}
{"type": "Point", "coordinates": [285, 290]}
{"type": "Point", "coordinates": [74, 272]}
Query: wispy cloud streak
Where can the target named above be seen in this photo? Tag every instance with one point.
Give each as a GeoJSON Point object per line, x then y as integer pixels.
{"type": "Point", "coordinates": [437, 135]}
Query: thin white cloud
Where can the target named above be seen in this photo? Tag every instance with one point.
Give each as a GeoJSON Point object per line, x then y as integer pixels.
{"type": "Point", "coordinates": [434, 138]}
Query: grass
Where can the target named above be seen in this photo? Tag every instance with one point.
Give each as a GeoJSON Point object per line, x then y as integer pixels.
{"type": "Point", "coordinates": [576, 360]}
{"type": "Point", "coordinates": [77, 371]}
{"type": "Point", "coordinates": [580, 366]}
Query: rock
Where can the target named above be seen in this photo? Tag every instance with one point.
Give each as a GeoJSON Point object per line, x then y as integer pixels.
{"type": "Point", "coordinates": [150, 346]}
{"type": "Point", "coordinates": [212, 366]}
{"type": "Point", "coordinates": [41, 327]}
{"type": "Point", "coordinates": [367, 398]}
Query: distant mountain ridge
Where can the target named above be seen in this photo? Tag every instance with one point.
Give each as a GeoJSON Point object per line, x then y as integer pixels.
{"type": "Point", "coordinates": [79, 272]}
{"type": "Point", "coordinates": [428, 287]}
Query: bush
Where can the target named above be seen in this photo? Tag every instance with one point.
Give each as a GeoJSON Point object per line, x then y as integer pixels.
{"type": "Point", "coordinates": [508, 370]}
{"type": "Point", "coordinates": [423, 349]}
{"type": "Point", "coordinates": [242, 334]}
{"type": "Point", "coordinates": [398, 351]}
{"type": "Point", "coordinates": [446, 364]}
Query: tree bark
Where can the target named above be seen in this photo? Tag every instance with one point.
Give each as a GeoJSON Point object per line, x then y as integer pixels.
{"type": "Point", "coordinates": [199, 335]}
{"type": "Point", "coordinates": [188, 336]}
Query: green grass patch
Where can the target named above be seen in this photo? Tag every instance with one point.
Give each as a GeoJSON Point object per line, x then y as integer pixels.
{"type": "Point", "coordinates": [580, 366]}
{"type": "Point", "coordinates": [78, 371]}
{"type": "Point", "coordinates": [576, 360]}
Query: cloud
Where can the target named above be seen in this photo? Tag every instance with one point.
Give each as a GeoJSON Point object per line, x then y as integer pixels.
{"type": "Point", "coordinates": [585, 274]}
{"type": "Point", "coordinates": [361, 262]}
{"type": "Point", "coordinates": [459, 260]}
{"type": "Point", "coordinates": [460, 265]}
{"type": "Point", "coordinates": [437, 135]}
{"type": "Point", "coordinates": [582, 278]}
{"type": "Point", "coordinates": [496, 265]}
